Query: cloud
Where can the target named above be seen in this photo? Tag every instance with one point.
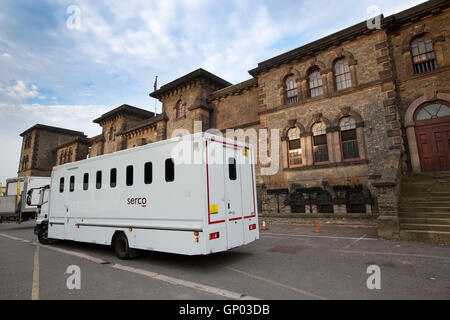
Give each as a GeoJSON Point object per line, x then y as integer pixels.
{"type": "Point", "coordinates": [19, 91]}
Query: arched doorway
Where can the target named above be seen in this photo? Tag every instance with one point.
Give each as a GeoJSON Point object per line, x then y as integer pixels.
{"type": "Point", "coordinates": [432, 127]}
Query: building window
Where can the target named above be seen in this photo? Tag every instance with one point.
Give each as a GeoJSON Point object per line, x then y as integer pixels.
{"type": "Point", "coordinates": [129, 176]}
{"type": "Point", "coordinates": [342, 74]}
{"type": "Point", "coordinates": [111, 134]}
{"type": "Point", "coordinates": [349, 138]}
{"type": "Point", "coordinates": [179, 110]}
{"type": "Point", "coordinates": [315, 82]}
{"type": "Point", "coordinates": [291, 90]}
{"type": "Point", "coordinates": [113, 178]}
{"type": "Point", "coordinates": [424, 58]}
{"type": "Point", "coordinates": [294, 147]}
{"type": "Point", "coordinates": [170, 170]}
{"type": "Point", "coordinates": [148, 173]}
{"type": "Point", "coordinates": [320, 146]}
{"type": "Point", "coordinates": [433, 111]}
{"type": "Point", "coordinates": [324, 203]}
{"type": "Point", "coordinates": [25, 163]}
{"type": "Point", "coordinates": [28, 141]}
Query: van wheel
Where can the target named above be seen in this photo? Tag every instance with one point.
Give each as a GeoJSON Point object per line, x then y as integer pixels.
{"type": "Point", "coordinates": [43, 235]}
{"type": "Point", "coordinates": [122, 248]}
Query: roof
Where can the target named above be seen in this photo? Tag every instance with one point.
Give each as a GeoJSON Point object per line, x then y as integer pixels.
{"type": "Point", "coordinates": [350, 33]}
{"type": "Point", "coordinates": [82, 140]}
{"type": "Point", "coordinates": [52, 129]}
{"type": "Point", "coordinates": [245, 85]}
{"type": "Point", "coordinates": [197, 74]}
{"type": "Point", "coordinates": [146, 123]}
{"type": "Point", "coordinates": [125, 108]}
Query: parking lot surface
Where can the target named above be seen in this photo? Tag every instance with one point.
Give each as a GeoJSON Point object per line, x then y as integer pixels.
{"type": "Point", "coordinates": [287, 263]}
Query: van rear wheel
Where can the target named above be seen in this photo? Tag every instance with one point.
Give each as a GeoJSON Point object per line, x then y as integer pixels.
{"type": "Point", "coordinates": [122, 247]}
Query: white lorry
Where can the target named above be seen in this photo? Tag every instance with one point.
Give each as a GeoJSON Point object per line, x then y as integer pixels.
{"type": "Point", "coordinates": [193, 196]}
{"type": "Point", "coordinates": [13, 207]}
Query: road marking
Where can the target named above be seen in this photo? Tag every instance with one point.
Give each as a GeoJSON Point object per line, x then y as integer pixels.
{"type": "Point", "coordinates": [303, 292]}
{"type": "Point", "coordinates": [395, 254]}
{"type": "Point", "coordinates": [35, 286]}
{"type": "Point", "coordinates": [189, 284]}
{"type": "Point", "coordinates": [157, 276]}
{"type": "Point", "coordinates": [355, 242]}
{"type": "Point", "coordinates": [311, 236]}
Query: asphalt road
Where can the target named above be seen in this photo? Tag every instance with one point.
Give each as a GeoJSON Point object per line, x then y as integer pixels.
{"type": "Point", "coordinates": [287, 263]}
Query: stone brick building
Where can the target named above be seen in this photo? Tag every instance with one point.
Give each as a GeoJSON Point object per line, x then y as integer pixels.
{"type": "Point", "coordinates": [355, 110]}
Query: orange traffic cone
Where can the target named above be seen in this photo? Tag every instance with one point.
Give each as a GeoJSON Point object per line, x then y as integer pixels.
{"type": "Point", "coordinates": [264, 227]}
{"type": "Point", "coordinates": [318, 228]}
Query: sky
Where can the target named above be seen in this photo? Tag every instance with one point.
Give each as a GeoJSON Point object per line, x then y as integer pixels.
{"type": "Point", "coordinates": [66, 62]}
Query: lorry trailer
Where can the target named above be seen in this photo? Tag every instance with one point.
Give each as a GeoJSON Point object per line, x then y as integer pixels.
{"type": "Point", "coordinates": [13, 204]}
{"type": "Point", "coordinates": [191, 195]}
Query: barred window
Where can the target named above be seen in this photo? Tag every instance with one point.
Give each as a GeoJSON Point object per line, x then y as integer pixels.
{"type": "Point", "coordinates": [320, 146]}
{"type": "Point", "coordinates": [424, 58]}
{"type": "Point", "coordinates": [294, 147]}
{"type": "Point", "coordinates": [349, 138]}
{"type": "Point", "coordinates": [291, 90]}
{"type": "Point", "coordinates": [315, 82]}
{"type": "Point", "coordinates": [342, 74]}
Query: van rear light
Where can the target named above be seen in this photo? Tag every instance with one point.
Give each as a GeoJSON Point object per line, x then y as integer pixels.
{"type": "Point", "coordinates": [213, 236]}
{"type": "Point", "coordinates": [252, 227]}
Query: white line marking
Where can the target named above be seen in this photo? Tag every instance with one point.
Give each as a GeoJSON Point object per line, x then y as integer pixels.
{"type": "Point", "coordinates": [394, 254]}
{"type": "Point", "coordinates": [311, 236]}
{"type": "Point", "coordinates": [35, 283]}
{"type": "Point", "coordinates": [189, 284]}
{"type": "Point", "coordinates": [355, 242]}
{"type": "Point", "coordinates": [174, 281]}
{"type": "Point", "coordinates": [303, 292]}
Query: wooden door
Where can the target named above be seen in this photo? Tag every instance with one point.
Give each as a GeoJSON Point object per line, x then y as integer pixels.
{"type": "Point", "coordinates": [433, 139]}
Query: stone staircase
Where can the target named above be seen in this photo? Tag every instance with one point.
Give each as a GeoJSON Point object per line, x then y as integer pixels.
{"type": "Point", "coordinates": [424, 208]}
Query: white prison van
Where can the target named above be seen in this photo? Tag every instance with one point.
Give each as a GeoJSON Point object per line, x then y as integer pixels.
{"type": "Point", "coordinates": [191, 195]}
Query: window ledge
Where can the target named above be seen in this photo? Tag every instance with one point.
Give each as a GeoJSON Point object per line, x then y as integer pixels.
{"type": "Point", "coordinates": [329, 165]}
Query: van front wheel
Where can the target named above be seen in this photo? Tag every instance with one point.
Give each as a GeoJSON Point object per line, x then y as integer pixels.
{"type": "Point", "coordinates": [122, 247]}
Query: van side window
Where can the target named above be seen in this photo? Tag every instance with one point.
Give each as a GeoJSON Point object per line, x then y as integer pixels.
{"type": "Point", "coordinates": [61, 185]}
{"type": "Point", "coordinates": [86, 181]}
{"type": "Point", "coordinates": [98, 182]}
{"type": "Point", "coordinates": [232, 168]}
{"type": "Point", "coordinates": [72, 184]}
{"type": "Point", "coordinates": [170, 170]}
{"type": "Point", "coordinates": [148, 173]}
{"type": "Point", "coordinates": [129, 176]}
{"type": "Point", "coordinates": [113, 178]}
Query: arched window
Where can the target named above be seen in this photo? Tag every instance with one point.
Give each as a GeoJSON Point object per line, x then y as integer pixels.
{"type": "Point", "coordinates": [315, 82]}
{"type": "Point", "coordinates": [422, 51]}
{"type": "Point", "coordinates": [433, 111]}
{"type": "Point", "coordinates": [179, 110]}
{"type": "Point", "coordinates": [349, 139]}
{"type": "Point", "coordinates": [320, 146]}
{"type": "Point", "coordinates": [291, 90]}
{"type": "Point", "coordinates": [295, 147]}
{"type": "Point", "coordinates": [342, 74]}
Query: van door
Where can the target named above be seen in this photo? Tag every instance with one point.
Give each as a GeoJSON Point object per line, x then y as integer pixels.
{"type": "Point", "coordinates": [69, 224]}
{"type": "Point", "coordinates": [233, 196]}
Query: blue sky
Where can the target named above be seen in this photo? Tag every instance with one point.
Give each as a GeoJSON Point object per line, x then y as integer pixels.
{"type": "Point", "coordinates": [62, 76]}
